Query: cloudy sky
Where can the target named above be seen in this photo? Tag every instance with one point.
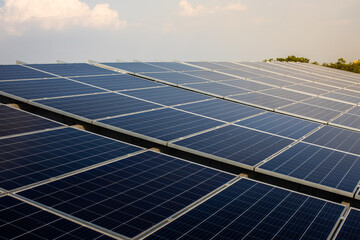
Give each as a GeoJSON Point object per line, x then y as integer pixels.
{"type": "Point", "coordinates": [38, 31]}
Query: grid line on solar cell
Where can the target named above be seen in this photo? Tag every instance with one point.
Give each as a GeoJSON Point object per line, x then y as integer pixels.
{"type": "Point", "coordinates": [326, 168]}
{"type": "Point", "coordinates": [14, 121]}
{"type": "Point", "coordinates": [133, 194]}
{"type": "Point", "coordinates": [250, 210]}
{"type": "Point", "coordinates": [280, 124]}
{"type": "Point", "coordinates": [348, 121]}
{"type": "Point", "coordinates": [20, 220]}
{"type": "Point", "coordinates": [36, 157]}
{"type": "Point", "coordinates": [235, 144]}
{"type": "Point", "coordinates": [164, 124]}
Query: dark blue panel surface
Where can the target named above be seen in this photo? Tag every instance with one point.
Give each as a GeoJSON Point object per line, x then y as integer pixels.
{"type": "Point", "coordinates": [117, 82]}
{"type": "Point", "coordinates": [176, 77]}
{"type": "Point", "coordinates": [72, 69]}
{"type": "Point", "coordinates": [326, 103]}
{"type": "Point", "coordinates": [31, 158]}
{"type": "Point", "coordinates": [240, 73]}
{"type": "Point", "coordinates": [351, 227]}
{"type": "Point", "coordinates": [136, 67]}
{"type": "Point", "coordinates": [167, 95]}
{"type": "Point", "coordinates": [133, 194]}
{"type": "Point", "coordinates": [34, 89]}
{"type": "Point", "coordinates": [355, 111]}
{"type": "Point", "coordinates": [247, 84]}
{"type": "Point", "coordinates": [164, 124]}
{"type": "Point", "coordinates": [237, 144]}
{"type": "Point", "coordinates": [283, 93]}
{"type": "Point", "coordinates": [11, 72]}
{"type": "Point", "coordinates": [221, 109]}
{"type": "Point", "coordinates": [19, 220]}
{"type": "Point", "coordinates": [217, 88]}
{"type": "Point", "coordinates": [310, 111]}
{"type": "Point", "coordinates": [337, 138]}
{"type": "Point", "coordinates": [99, 105]}
{"type": "Point", "coordinates": [342, 97]}
{"type": "Point", "coordinates": [262, 100]}
{"type": "Point", "coordinates": [319, 165]}
{"type": "Point", "coordinates": [280, 124]}
{"type": "Point", "coordinates": [251, 210]}
{"type": "Point", "coordinates": [348, 120]}
{"type": "Point", "coordinates": [210, 75]}
{"type": "Point", "coordinates": [174, 66]}
{"type": "Point", "coordinates": [13, 121]}
{"type": "Point", "coordinates": [209, 65]}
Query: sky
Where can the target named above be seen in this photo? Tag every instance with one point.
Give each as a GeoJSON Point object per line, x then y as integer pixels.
{"type": "Point", "coordinates": [44, 31]}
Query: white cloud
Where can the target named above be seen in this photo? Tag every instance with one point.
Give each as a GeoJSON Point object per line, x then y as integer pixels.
{"type": "Point", "coordinates": [18, 15]}
{"type": "Point", "coordinates": [187, 9]}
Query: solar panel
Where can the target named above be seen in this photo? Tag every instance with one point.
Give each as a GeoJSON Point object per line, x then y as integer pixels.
{"type": "Point", "coordinates": [350, 227]}
{"type": "Point", "coordinates": [355, 111]}
{"type": "Point", "coordinates": [291, 79]}
{"type": "Point", "coordinates": [348, 120]}
{"type": "Point", "coordinates": [324, 86]}
{"type": "Point", "coordinates": [71, 69]}
{"type": "Point", "coordinates": [330, 170]}
{"type": "Point", "coordinates": [19, 220]}
{"type": "Point", "coordinates": [272, 81]}
{"type": "Point", "coordinates": [136, 67]}
{"type": "Point", "coordinates": [326, 103]}
{"type": "Point", "coordinates": [175, 77]}
{"type": "Point", "coordinates": [221, 109]}
{"type": "Point", "coordinates": [283, 93]}
{"type": "Point", "coordinates": [47, 88]}
{"type": "Point", "coordinates": [208, 65]}
{"type": "Point", "coordinates": [117, 82]}
{"type": "Point", "coordinates": [262, 100]}
{"type": "Point", "coordinates": [234, 144]}
{"type": "Point", "coordinates": [349, 93]}
{"type": "Point", "coordinates": [13, 121]}
{"type": "Point", "coordinates": [306, 89]}
{"type": "Point", "coordinates": [174, 66]}
{"type": "Point", "coordinates": [342, 97]}
{"type": "Point", "coordinates": [167, 95]}
{"type": "Point", "coordinates": [215, 89]}
{"type": "Point", "coordinates": [310, 112]}
{"type": "Point", "coordinates": [240, 73]}
{"type": "Point", "coordinates": [11, 72]}
{"type": "Point", "coordinates": [214, 76]}
{"type": "Point", "coordinates": [99, 105]}
{"type": "Point", "coordinates": [247, 84]}
{"type": "Point", "coordinates": [164, 124]}
{"type": "Point", "coordinates": [336, 138]}
{"type": "Point", "coordinates": [35, 157]}
{"type": "Point", "coordinates": [280, 124]}
{"type": "Point", "coordinates": [251, 210]}
{"type": "Point", "coordinates": [131, 195]}
{"type": "Point", "coordinates": [354, 87]}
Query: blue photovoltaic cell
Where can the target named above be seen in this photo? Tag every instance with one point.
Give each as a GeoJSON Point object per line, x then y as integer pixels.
{"type": "Point", "coordinates": [174, 66]}
{"type": "Point", "coordinates": [47, 88]}
{"type": "Point", "coordinates": [164, 124]}
{"type": "Point", "coordinates": [117, 82]}
{"type": "Point", "coordinates": [11, 72]}
{"type": "Point", "coordinates": [337, 138]}
{"type": "Point", "coordinates": [251, 210]}
{"type": "Point", "coordinates": [330, 104]}
{"type": "Point", "coordinates": [342, 97]}
{"type": "Point", "coordinates": [318, 165]}
{"type": "Point", "coordinates": [175, 77]}
{"type": "Point", "coordinates": [221, 109]}
{"type": "Point", "coordinates": [19, 220]}
{"type": "Point", "coordinates": [262, 100]}
{"type": "Point", "coordinates": [240, 73]}
{"type": "Point", "coordinates": [348, 120]}
{"type": "Point", "coordinates": [167, 95]}
{"type": "Point", "coordinates": [307, 89]}
{"type": "Point", "coordinates": [350, 229]}
{"type": "Point", "coordinates": [136, 67]}
{"type": "Point", "coordinates": [210, 75]}
{"type": "Point", "coordinates": [355, 111]}
{"type": "Point", "coordinates": [247, 84]}
{"type": "Point", "coordinates": [280, 124]}
{"type": "Point", "coordinates": [99, 105]}
{"type": "Point", "coordinates": [272, 81]}
{"type": "Point", "coordinates": [283, 93]}
{"type": "Point", "coordinates": [131, 195]}
{"type": "Point", "coordinates": [13, 121]}
{"type": "Point", "coordinates": [235, 143]}
{"type": "Point", "coordinates": [216, 88]}
{"type": "Point", "coordinates": [320, 86]}
{"type": "Point", "coordinates": [209, 65]}
{"type": "Point", "coordinates": [35, 157]}
{"type": "Point", "coordinates": [71, 69]}
{"type": "Point", "coordinates": [311, 111]}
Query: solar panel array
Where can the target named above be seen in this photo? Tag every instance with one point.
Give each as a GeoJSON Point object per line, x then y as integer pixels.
{"type": "Point", "coordinates": [297, 122]}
